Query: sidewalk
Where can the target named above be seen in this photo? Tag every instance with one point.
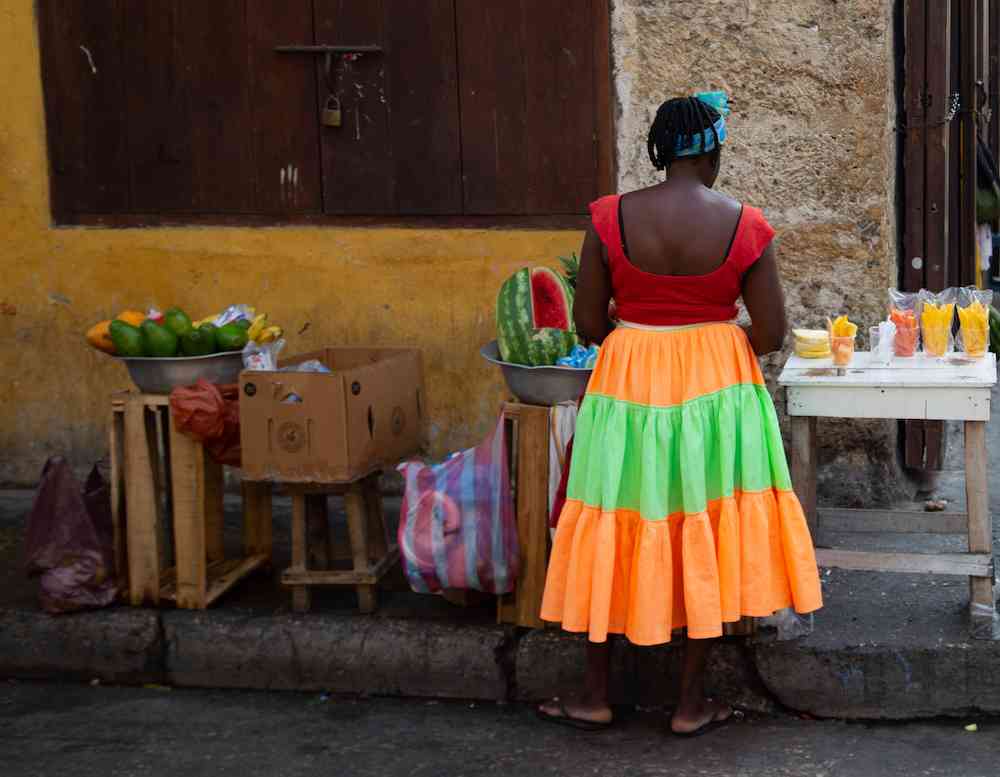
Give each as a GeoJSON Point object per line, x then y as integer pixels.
{"type": "Point", "coordinates": [885, 646]}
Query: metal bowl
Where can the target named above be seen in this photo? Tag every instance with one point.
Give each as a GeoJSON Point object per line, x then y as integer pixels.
{"type": "Point", "coordinates": [161, 376]}
{"type": "Point", "coordinates": [539, 385]}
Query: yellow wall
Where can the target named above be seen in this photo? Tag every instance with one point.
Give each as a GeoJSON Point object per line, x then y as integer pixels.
{"type": "Point", "coordinates": [429, 288]}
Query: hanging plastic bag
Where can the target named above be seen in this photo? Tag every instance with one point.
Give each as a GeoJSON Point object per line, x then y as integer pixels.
{"type": "Point", "coordinates": [457, 528]}
{"type": "Point", "coordinates": [937, 314]}
{"type": "Point", "coordinates": [974, 319]}
{"type": "Point", "coordinates": [903, 313]}
{"type": "Point", "coordinates": [210, 415]}
{"type": "Point", "coordinates": [69, 540]}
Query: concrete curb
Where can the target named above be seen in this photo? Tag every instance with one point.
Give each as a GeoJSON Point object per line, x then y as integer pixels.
{"type": "Point", "coordinates": [397, 657]}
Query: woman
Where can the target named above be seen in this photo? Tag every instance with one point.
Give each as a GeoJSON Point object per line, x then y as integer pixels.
{"type": "Point", "coordinates": [680, 511]}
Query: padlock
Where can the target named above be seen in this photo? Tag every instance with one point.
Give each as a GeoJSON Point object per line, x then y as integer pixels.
{"type": "Point", "coordinates": [331, 115]}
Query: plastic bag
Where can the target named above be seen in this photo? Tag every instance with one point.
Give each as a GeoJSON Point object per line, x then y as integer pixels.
{"type": "Point", "coordinates": [937, 313]}
{"type": "Point", "coordinates": [313, 365]}
{"type": "Point", "coordinates": [210, 414]}
{"type": "Point", "coordinates": [903, 313]}
{"type": "Point", "coordinates": [457, 528]}
{"type": "Point", "coordinates": [974, 319]}
{"type": "Point", "coordinates": [70, 540]}
{"type": "Point", "coordinates": [235, 313]}
{"type": "Point", "coordinates": [257, 356]}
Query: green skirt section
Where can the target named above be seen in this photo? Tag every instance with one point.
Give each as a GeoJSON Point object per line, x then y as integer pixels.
{"type": "Point", "coordinates": [659, 461]}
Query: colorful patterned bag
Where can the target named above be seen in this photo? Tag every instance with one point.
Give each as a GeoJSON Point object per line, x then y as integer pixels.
{"type": "Point", "coordinates": [457, 528]}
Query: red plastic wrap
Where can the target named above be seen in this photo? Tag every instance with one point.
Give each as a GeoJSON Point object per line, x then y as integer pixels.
{"type": "Point", "coordinates": [210, 414]}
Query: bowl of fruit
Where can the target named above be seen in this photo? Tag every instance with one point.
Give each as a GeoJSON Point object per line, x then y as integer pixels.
{"type": "Point", "coordinates": [164, 351]}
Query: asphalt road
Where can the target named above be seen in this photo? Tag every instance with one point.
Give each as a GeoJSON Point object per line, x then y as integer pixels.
{"type": "Point", "coordinates": [106, 732]}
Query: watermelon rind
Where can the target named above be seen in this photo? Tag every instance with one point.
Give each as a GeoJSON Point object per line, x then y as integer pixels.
{"type": "Point", "coordinates": [513, 317]}
{"type": "Point", "coordinates": [546, 346]}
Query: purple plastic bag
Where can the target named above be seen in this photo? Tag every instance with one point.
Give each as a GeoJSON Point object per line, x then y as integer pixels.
{"type": "Point", "coordinates": [457, 528]}
{"type": "Point", "coordinates": [70, 539]}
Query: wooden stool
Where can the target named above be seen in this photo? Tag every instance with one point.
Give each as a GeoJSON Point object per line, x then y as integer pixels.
{"type": "Point", "coordinates": [158, 473]}
{"type": "Point", "coordinates": [371, 553]}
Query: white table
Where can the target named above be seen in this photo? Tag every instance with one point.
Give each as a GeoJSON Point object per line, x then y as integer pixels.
{"type": "Point", "coordinates": [951, 389]}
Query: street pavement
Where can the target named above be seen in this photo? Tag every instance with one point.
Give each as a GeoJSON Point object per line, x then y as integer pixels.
{"type": "Point", "coordinates": [97, 731]}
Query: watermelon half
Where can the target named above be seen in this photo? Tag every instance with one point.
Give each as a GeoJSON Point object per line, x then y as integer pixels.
{"type": "Point", "coordinates": [532, 300]}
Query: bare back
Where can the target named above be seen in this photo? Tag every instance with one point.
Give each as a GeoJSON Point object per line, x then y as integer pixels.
{"type": "Point", "coordinates": [677, 229]}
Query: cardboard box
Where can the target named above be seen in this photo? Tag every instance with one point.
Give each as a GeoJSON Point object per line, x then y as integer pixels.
{"type": "Point", "coordinates": [302, 427]}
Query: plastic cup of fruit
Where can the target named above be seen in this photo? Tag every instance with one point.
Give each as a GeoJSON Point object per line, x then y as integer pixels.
{"type": "Point", "coordinates": [975, 336]}
{"type": "Point", "coordinates": [905, 343]}
{"type": "Point", "coordinates": [936, 340]}
{"type": "Point", "coordinates": [843, 350]}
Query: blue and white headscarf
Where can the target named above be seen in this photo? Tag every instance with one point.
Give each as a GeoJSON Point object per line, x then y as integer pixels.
{"type": "Point", "coordinates": [705, 141]}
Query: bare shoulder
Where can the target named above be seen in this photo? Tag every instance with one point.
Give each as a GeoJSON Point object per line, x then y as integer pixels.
{"type": "Point", "coordinates": [724, 201]}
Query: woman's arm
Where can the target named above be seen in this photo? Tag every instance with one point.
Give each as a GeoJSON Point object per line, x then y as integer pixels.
{"type": "Point", "coordinates": [765, 302]}
{"type": "Point", "coordinates": [593, 291]}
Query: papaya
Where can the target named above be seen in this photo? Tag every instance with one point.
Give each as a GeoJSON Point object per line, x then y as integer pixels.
{"type": "Point", "coordinates": [133, 317]}
{"type": "Point", "coordinates": [231, 337]}
{"type": "Point", "coordinates": [177, 321]}
{"type": "Point", "coordinates": [127, 339]}
{"type": "Point", "coordinates": [198, 342]}
{"type": "Point", "coordinates": [99, 336]}
{"type": "Point", "coordinates": [158, 341]}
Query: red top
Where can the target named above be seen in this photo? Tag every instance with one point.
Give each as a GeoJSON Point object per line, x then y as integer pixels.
{"type": "Point", "coordinates": [675, 300]}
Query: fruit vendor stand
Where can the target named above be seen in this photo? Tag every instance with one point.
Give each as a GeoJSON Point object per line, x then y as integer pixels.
{"type": "Point", "coordinates": [953, 388]}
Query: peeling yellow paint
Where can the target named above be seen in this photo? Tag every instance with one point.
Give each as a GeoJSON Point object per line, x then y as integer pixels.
{"type": "Point", "coordinates": [432, 289]}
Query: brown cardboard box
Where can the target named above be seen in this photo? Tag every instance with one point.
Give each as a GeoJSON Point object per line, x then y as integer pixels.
{"type": "Point", "coordinates": [366, 416]}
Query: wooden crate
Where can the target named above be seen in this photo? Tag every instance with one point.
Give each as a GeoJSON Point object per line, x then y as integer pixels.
{"type": "Point", "coordinates": [369, 550]}
{"type": "Point", "coordinates": [165, 486]}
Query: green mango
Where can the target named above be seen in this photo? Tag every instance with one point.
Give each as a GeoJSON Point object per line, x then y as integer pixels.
{"type": "Point", "coordinates": [158, 341]}
{"type": "Point", "coordinates": [127, 339]}
{"type": "Point", "coordinates": [177, 321]}
{"type": "Point", "coordinates": [231, 337]}
{"type": "Point", "coordinates": [243, 324]}
{"type": "Point", "coordinates": [211, 332]}
{"type": "Point", "coordinates": [198, 342]}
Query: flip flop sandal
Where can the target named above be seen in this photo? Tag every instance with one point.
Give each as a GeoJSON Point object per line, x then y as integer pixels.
{"type": "Point", "coordinates": [712, 725]}
{"type": "Point", "coordinates": [565, 719]}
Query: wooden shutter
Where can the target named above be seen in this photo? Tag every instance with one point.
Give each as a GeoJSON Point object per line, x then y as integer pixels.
{"type": "Point", "coordinates": [84, 82]}
{"type": "Point", "coordinates": [398, 150]}
{"type": "Point", "coordinates": [529, 91]}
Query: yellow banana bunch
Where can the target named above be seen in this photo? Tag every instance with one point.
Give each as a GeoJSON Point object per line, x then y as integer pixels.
{"type": "Point", "coordinates": [935, 321]}
{"type": "Point", "coordinates": [256, 327]}
{"type": "Point", "coordinates": [270, 334]}
{"type": "Point", "coordinates": [975, 322]}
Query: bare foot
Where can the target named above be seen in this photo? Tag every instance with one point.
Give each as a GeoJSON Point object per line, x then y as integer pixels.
{"type": "Point", "coordinates": [576, 710]}
{"type": "Point", "coordinates": [686, 721]}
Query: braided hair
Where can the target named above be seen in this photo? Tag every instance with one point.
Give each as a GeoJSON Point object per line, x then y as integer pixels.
{"type": "Point", "coordinates": [678, 122]}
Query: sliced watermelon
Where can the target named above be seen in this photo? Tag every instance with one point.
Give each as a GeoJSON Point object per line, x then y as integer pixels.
{"type": "Point", "coordinates": [551, 300]}
{"type": "Point", "coordinates": [530, 300]}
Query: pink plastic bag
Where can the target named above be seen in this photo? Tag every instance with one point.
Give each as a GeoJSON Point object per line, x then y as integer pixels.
{"type": "Point", "coordinates": [457, 527]}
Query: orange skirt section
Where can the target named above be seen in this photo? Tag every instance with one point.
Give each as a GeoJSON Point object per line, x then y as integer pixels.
{"type": "Point", "coordinates": [616, 573]}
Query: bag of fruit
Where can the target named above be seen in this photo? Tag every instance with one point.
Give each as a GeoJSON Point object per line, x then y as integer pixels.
{"type": "Point", "coordinates": [903, 313]}
{"type": "Point", "coordinates": [974, 320]}
{"type": "Point", "coordinates": [937, 314]}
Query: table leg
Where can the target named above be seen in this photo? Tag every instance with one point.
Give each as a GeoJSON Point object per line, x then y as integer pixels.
{"type": "Point", "coordinates": [982, 601]}
{"type": "Point", "coordinates": [300, 593]}
{"type": "Point", "coordinates": [804, 466]}
{"type": "Point", "coordinates": [357, 525]}
{"type": "Point", "coordinates": [257, 519]}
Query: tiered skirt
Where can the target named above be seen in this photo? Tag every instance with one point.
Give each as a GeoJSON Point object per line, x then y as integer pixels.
{"type": "Point", "coordinates": [680, 510]}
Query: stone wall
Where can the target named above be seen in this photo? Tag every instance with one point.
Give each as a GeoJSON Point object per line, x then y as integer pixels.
{"type": "Point", "coordinates": [812, 143]}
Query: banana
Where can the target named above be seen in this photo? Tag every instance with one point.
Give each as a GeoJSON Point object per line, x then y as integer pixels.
{"type": "Point", "coordinates": [269, 335]}
{"type": "Point", "coordinates": [253, 333]}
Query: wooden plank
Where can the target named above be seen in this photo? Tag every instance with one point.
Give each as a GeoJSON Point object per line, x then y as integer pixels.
{"type": "Point", "coordinates": [258, 524]}
{"type": "Point", "coordinates": [369, 577]}
{"type": "Point", "coordinates": [215, 509]}
{"type": "Point", "coordinates": [803, 465]}
{"type": "Point", "coordinates": [318, 550]}
{"type": "Point", "coordinates": [378, 541]}
{"type": "Point", "coordinates": [300, 593]}
{"type": "Point", "coordinates": [81, 51]}
{"type": "Point", "coordinates": [191, 148]}
{"type": "Point", "coordinates": [116, 434]}
{"type": "Point", "coordinates": [604, 109]}
{"type": "Point", "coordinates": [528, 96]}
{"type": "Point", "coordinates": [980, 564]}
{"type": "Point", "coordinates": [913, 149]}
{"type": "Point", "coordinates": [891, 521]}
{"type": "Point", "coordinates": [422, 89]}
{"type": "Point", "coordinates": [919, 372]}
{"type": "Point", "coordinates": [222, 576]}
{"type": "Point", "coordinates": [982, 598]}
{"type": "Point", "coordinates": [937, 138]}
{"type": "Point", "coordinates": [187, 473]}
{"type": "Point", "coordinates": [940, 404]}
{"type": "Point", "coordinates": [969, 61]}
{"type": "Point", "coordinates": [285, 126]}
{"type": "Point", "coordinates": [532, 513]}
{"type": "Point", "coordinates": [143, 520]}
{"type": "Point", "coordinates": [357, 526]}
